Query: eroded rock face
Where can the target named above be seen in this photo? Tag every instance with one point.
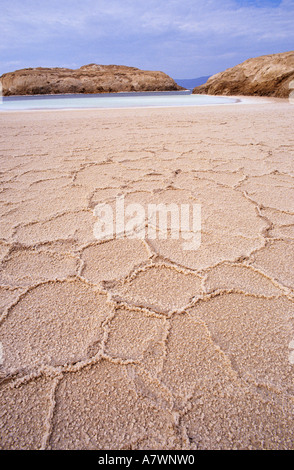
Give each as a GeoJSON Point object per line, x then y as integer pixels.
{"type": "Point", "coordinates": [87, 79]}
{"type": "Point", "coordinates": [268, 75]}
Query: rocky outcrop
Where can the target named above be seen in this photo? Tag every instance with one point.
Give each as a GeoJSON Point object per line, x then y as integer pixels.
{"type": "Point", "coordinates": [267, 75]}
{"type": "Point", "coordinates": [87, 79]}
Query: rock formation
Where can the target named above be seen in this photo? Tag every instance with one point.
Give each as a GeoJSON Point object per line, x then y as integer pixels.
{"type": "Point", "coordinates": [267, 75]}
{"type": "Point", "coordinates": [87, 79]}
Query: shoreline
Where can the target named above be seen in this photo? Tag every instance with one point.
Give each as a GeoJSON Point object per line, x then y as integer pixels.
{"type": "Point", "coordinates": [98, 94]}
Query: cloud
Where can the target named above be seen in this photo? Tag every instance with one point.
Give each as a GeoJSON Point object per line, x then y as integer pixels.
{"type": "Point", "coordinates": [196, 36]}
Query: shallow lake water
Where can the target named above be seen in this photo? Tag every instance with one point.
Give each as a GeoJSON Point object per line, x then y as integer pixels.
{"type": "Point", "coordinates": [111, 100]}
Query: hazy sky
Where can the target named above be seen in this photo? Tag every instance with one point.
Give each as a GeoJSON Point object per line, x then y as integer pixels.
{"type": "Point", "coordinates": [184, 38]}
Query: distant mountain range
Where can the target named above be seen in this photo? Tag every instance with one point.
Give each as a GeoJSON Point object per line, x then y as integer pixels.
{"type": "Point", "coordinates": [190, 83]}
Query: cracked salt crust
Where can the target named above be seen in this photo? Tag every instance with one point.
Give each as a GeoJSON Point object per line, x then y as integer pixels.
{"type": "Point", "coordinates": [103, 262]}
{"type": "Point", "coordinates": [136, 344]}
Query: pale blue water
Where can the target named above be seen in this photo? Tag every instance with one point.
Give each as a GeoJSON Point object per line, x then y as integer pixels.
{"type": "Point", "coordinates": [110, 100]}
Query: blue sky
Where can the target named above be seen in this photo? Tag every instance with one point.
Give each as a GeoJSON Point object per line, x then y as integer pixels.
{"type": "Point", "coordinates": [184, 38]}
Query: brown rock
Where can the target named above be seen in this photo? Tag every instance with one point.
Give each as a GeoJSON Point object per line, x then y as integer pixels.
{"type": "Point", "coordinates": [267, 75]}
{"type": "Point", "coordinates": [87, 79]}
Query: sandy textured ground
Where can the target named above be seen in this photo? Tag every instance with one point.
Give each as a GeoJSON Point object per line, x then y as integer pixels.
{"type": "Point", "coordinates": [138, 344]}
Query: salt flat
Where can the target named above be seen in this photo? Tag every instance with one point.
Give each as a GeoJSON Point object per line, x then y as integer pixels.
{"type": "Point", "coordinates": [137, 343]}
